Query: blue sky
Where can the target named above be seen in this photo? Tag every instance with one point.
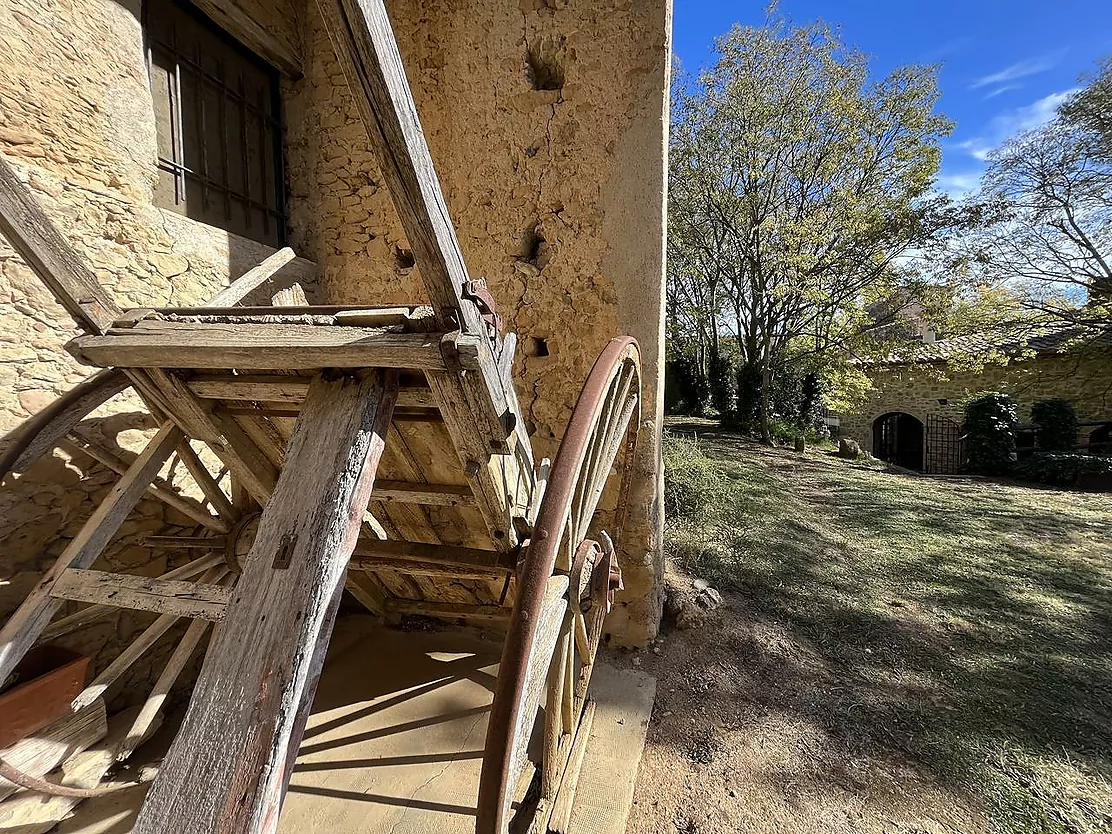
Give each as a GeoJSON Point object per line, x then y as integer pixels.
{"type": "Point", "coordinates": [1005, 63]}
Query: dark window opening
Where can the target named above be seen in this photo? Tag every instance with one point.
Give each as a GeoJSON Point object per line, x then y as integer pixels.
{"type": "Point", "coordinates": [218, 118]}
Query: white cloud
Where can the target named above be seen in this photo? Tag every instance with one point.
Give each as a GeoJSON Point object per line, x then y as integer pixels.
{"type": "Point", "coordinates": [1003, 126]}
{"type": "Point", "coordinates": [1020, 69]}
{"type": "Point", "coordinates": [999, 90]}
{"type": "Point", "coordinates": [958, 185]}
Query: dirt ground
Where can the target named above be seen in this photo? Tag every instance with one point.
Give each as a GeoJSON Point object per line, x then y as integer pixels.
{"type": "Point", "coordinates": [893, 655]}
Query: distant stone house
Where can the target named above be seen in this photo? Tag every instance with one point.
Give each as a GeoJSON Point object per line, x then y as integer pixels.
{"type": "Point", "coordinates": [913, 415]}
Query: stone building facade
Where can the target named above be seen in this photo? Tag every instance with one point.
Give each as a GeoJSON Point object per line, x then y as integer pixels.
{"type": "Point", "coordinates": [546, 119]}
{"type": "Point", "coordinates": [934, 395]}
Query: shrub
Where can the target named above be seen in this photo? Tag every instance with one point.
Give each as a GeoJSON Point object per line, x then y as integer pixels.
{"type": "Point", "coordinates": [748, 395]}
{"type": "Point", "coordinates": [693, 483]}
{"type": "Point", "coordinates": [991, 421]}
{"type": "Point", "coordinates": [1055, 423]}
{"type": "Point", "coordinates": [1067, 470]}
{"type": "Point", "coordinates": [723, 392]}
{"type": "Point", "coordinates": [686, 387]}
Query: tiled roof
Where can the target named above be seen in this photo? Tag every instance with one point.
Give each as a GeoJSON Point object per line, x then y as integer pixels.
{"type": "Point", "coordinates": [1040, 339]}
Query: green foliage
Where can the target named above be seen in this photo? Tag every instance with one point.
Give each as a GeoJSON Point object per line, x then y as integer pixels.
{"type": "Point", "coordinates": [686, 388]}
{"type": "Point", "coordinates": [694, 485]}
{"type": "Point", "coordinates": [991, 421]}
{"type": "Point", "coordinates": [723, 392]}
{"type": "Point", "coordinates": [1066, 470]}
{"type": "Point", "coordinates": [1055, 424]}
{"type": "Point", "coordinates": [748, 396]}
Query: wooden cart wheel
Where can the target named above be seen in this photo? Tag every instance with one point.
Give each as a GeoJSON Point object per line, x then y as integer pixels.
{"type": "Point", "coordinates": [210, 573]}
{"type": "Point", "coordinates": [565, 589]}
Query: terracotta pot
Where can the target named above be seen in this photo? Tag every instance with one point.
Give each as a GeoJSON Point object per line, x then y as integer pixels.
{"type": "Point", "coordinates": [47, 680]}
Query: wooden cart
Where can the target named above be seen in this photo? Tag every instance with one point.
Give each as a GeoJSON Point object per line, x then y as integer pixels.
{"type": "Point", "coordinates": [377, 449]}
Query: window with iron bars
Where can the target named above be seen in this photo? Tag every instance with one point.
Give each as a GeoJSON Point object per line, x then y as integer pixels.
{"type": "Point", "coordinates": [218, 119]}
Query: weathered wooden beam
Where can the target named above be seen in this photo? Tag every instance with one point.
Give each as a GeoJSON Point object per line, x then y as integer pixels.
{"type": "Point", "coordinates": [205, 480]}
{"type": "Point", "coordinates": [442, 495]}
{"type": "Point", "coordinates": [143, 593]}
{"type": "Point", "coordinates": [247, 463]}
{"type": "Point", "coordinates": [158, 488]}
{"type": "Point", "coordinates": [41, 433]}
{"type": "Point", "coordinates": [446, 554]}
{"type": "Point", "coordinates": [41, 245]}
{"type": "Point", "coordinates": [415, 567]}
{"type": "Point", "coordinates": [368, 54]}
{"type": "Point", "coordinates": [24, 626]}
{"type": "Point", "coordinates": [45, 749]}
{"type": "Point", "coordinates": [229, 765]}
{"type": "Point", "coordinates": [277, 388]}
{"type": "Point", "coordinates": [252, 279]}
{"type": "Point", "coordinates": [93, 613]}
{"type": "Point", "coordinates": [171, 344]}
{"type": "Point", "coordinates": [493, 614]}
{"type": "Point", "coordinates": [231, 17]}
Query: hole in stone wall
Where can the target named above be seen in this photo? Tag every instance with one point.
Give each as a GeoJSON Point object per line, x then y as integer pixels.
{"type": "Point", "coordinates": [403, 258]}
{"type": "Point", "coordinates": [535, 346]}
{"type": "Point", "coordinates": [532, 245]}
{"type": "Point", "coordinates": [545, 59]}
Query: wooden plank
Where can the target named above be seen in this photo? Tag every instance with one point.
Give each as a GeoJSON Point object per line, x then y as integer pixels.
{"type": "Point", "coordinates": [23, 628]}
{"type": "Point", "coordinates": [93, 613]}
{"type": "Point", "coordinates": [205, 480]}
{"type": "Point", "coordinates": [252, 279]}
{"type": "Point", "coordinates": [229, 765]}
{"type": "Point", "coordinates": [230, 16]}
{"type": "Point", "coordinates": [278, 388]}
{"type": "Point", "coordinates": [463, 557]}
{"type": "Point", "coordinates": [53, 260]}
{"type": "Point", "coordinates": [449, 610]}
{"type": "Point", "coordinates": [47, 748]}
{"type": "Point", "coordinates": [143, 593]}
{"type": "Point", "coordinates": [416, 567]}
{"type": "Point", "coordinates": [368, 54]}
{"type": "Point", "coordinates": [560, 820]}
{"type": "Point", "coordinates": [223, 435]}
{"type": "Point", "coordinates": [444, 495]}
{"type": "Point", "coordinates": [172, 344]}
{"type": "Point", "coordinates": [158, 488]}
{"type": "Point", "coordinates": [291, 296]}
{"type": "Point", "coordinates": [58, 418]}
{"type": "Point", "coordinates": [212, 544]}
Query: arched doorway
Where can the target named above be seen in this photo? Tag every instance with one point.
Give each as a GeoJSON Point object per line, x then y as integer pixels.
{"type": "Point", "coordinates": [898, 439]}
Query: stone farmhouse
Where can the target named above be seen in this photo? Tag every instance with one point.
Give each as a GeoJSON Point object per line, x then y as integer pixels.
{"type": "Point", "coordinates": [912, 417]}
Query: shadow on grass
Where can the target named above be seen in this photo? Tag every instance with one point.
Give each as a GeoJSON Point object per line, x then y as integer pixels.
{"type": "Point", "coordinates": [960, 626]}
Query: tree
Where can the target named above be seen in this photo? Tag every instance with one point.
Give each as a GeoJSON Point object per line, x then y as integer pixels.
{"type": "Point", "coordinates": [1046, 198]}
{"type": "Point", "coordinates": [796, 182]}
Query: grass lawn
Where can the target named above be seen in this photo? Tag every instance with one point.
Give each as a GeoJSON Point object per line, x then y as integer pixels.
{"type": "Point", "coordinates": [895, 653]}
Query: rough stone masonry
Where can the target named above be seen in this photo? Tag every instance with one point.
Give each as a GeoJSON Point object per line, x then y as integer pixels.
{"type": "Point", "coordinates": [547, 121]}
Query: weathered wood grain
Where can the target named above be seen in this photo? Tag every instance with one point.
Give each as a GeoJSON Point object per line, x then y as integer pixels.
{"type": "Point", "coordinates": [229, 765]}
{"type": "Point", "coordinates": [45, 749]}
{"type": "Point", "coordinates": [252, 279]}
{"type": "Point", "coordinates": [24, 626]}
{"type": "Point", "coordinates": [493, 614]}
{"type": "Point", "coordinates": [53, 260]}
{"type": "Point", "coordinates": [444, 495]}
{"type": "Point", "coordinates": [143, 593]}
{"type": "Point", "coordinates": [173, 344]}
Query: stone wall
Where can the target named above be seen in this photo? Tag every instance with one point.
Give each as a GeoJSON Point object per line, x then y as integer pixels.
{"type": "Point", "coordinates": [933, 390]}
{"type": "Point", "coordinates": [77, 124]}
{"type": "Point", "coordinates": [546, 121]}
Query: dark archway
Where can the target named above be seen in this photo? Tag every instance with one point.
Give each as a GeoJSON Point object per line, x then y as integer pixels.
{"type": "Point", "coordinates": [1100, 440]}
{"type": "Point", "coordinates": [898, 439]}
